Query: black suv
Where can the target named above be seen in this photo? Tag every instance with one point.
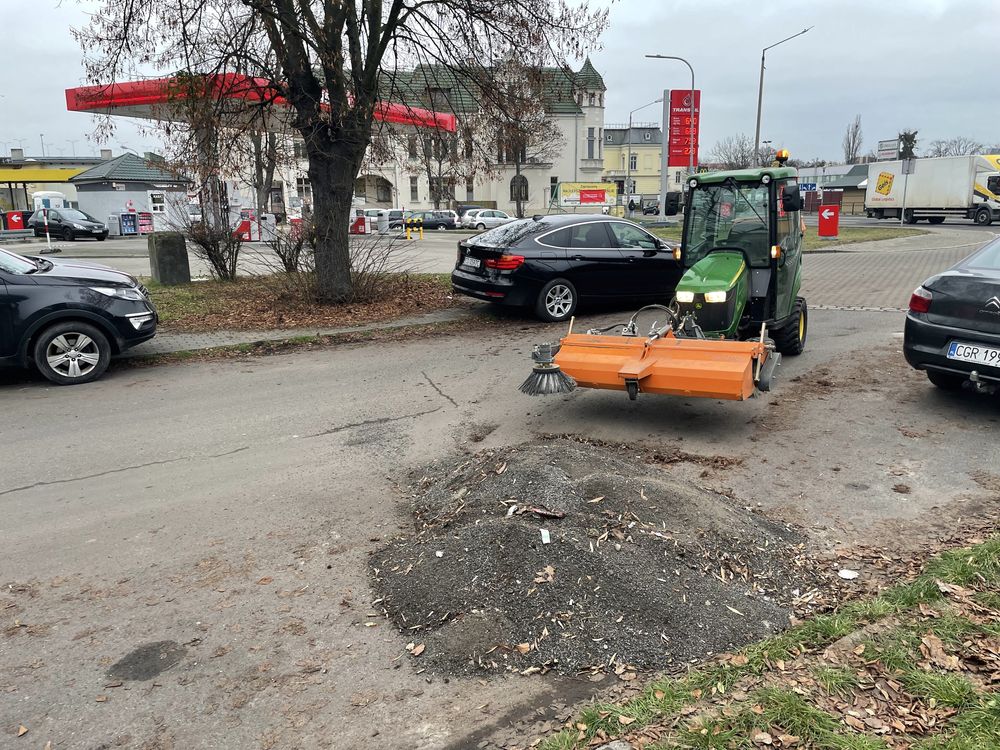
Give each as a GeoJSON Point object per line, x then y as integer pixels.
{"type": "Point", "coordinates": [67, 224]}
{"type": "Point", "coordinates": [68, 317]}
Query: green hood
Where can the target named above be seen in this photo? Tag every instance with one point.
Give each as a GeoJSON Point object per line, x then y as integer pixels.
{"type": "Point", "coordinates": [716, 272]}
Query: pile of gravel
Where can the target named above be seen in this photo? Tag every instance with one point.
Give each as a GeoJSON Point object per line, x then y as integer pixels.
{"type": "Point", "coordinates": [641, 569]}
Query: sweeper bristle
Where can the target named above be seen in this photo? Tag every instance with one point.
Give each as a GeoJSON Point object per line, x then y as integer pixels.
{"type": "Point", "coordinates": [547, 380]}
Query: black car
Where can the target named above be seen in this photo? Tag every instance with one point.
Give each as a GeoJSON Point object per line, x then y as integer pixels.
{"type": "Point", "coordinates": [953, 326]}
{"type": "Point", "coordinates": [434, 219]}
{"type": "Point", "coordinates": [67, 224]}
{"type": "Point", "coordinates": [552, 263]}
{"type": "Point", "coordinates": [68, 317]}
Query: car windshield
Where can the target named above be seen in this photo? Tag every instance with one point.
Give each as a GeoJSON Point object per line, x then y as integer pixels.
{"type": "Point", "coordinates": [729, 215]}
{"type": "Point", "coordinates": [987, 258]}
{"type": "Point", "coordinates": [17, 264]}
{"type": "Point", "coordinates": [511, 233]}
{"type": "Point", "coordinates": [73, 214]}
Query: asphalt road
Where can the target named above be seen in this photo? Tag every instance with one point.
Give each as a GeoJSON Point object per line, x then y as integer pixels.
{"type": "Point", "coordinates": [228, 508]}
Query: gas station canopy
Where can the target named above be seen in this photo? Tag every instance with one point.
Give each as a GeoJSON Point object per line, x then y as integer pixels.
{"type": "Point", "coordinates": [151, 99]}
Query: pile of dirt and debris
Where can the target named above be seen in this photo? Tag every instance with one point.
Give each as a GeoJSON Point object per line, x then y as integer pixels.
{"type": "Point", "coordinates": [566, 556]}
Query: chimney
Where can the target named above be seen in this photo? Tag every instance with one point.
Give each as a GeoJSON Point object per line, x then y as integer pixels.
{"type": "Point", "coordinates": [17, 154]}
{"type": "Point", "coordinates": [106, 154]}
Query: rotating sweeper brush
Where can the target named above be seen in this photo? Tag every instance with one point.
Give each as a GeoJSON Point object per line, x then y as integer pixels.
{"type": "Point", "coordinates": [546, 378]}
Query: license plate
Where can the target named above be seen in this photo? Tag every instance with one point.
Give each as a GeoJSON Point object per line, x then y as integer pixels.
{"type": "Point", "coordinates": [976, 353]}
{"type": "Point", "coordinates": [471, 262]}
{"type": "Point", "coordinates": [96, 231]}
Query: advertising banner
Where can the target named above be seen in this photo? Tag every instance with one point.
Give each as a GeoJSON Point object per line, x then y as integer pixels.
{"type": "Point", "coordinates": [588, 194]}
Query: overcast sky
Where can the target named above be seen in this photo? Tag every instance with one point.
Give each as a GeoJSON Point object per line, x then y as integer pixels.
{"type": "Point", "coordinates": [926, 64]}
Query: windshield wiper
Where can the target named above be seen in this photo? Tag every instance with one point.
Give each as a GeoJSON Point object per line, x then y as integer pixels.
{"type": "Point", "coordinates": [733, 185]}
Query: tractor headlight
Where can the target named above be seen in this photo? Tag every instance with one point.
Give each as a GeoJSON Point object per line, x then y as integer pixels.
{"type": "Point", "coordinates": [687, 297]}
{"type": "Point", "coordinates": [715, 296]}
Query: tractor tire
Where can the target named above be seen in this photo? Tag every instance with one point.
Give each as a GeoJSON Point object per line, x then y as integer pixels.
{"type": "Point", "coordinates": [791, 338]}
{"type": "Point", "coordinates": [946, 381]}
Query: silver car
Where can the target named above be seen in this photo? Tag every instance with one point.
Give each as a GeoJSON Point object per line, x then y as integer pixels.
{"type": "Point", "coordinates": [485, 218]}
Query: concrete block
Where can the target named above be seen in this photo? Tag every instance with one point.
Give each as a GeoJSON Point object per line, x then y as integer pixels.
{"type": "Point", "coordinates": [168, 258]}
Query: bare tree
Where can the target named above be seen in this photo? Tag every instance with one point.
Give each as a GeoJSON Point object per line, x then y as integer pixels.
{"type": "Point", "coordinates": [958, 146]}
{"type": "Point", "coordinates": [734, 152]}
{"type": "Point", "coordinates": [331, 56]}
{"type": "Point", "coordinates": [853, 139]}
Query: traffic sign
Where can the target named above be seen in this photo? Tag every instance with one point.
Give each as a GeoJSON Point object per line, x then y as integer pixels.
{"type": "Point", "coordinates": [807, 186]}
{"type": "Point", "coordinates": [829, 221]}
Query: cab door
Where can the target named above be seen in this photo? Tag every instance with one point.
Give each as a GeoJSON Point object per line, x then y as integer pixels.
{"type": "Point", "coordinates": [788, 236]}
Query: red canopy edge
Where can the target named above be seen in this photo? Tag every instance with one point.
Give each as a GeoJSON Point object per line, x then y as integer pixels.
{"type": "Point", "coordinates": [154, 92]}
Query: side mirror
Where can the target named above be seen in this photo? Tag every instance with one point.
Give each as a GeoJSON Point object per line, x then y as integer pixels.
{"type": "Point", "coordinates": [791, 198]}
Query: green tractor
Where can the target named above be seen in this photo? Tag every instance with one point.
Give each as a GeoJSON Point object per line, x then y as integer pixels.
{"type": "Point", "coordinates": [742, 251]}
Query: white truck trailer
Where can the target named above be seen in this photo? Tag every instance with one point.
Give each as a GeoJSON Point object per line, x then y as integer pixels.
{"type": "Point", "coordinates": [961, 187]}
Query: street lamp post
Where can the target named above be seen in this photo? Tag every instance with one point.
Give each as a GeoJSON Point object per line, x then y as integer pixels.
{"type": "Point", "coordinates": [663, 198]}
{"type": "Point", "coordinates": [760, 93]}
{"type": "Point", "coordinates": [628, 155]}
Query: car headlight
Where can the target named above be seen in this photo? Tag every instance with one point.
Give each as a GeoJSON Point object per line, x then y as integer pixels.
{"type": "Point", "coordinates": [121, 292]}
{"type": "Point", "coordinates": [685, 296]}
{"type": "Point", "coordinates": [77, 226]}
{"type": "Point", "coordinates": [715, 296]}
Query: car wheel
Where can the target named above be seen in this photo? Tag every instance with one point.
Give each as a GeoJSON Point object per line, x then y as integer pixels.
{"type": "Point", "coordinates": [983, 217]}
{"type": "Point", "coordinates": [480, 226]}
{"type": "Point", "coordinates": [791, 338]}
{"type": "Point", "coordinates": [946, 381]}
{"type": "Point", "coordinates": [556, 301]}
{"type": "Point", "coordinates": [68, 234]}
{"type": "Point", "coordinates": [71, 353]}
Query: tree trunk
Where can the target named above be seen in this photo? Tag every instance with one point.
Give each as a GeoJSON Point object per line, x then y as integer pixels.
{"type": "Point", "coordinates": [517, 193]}
{"type": "Point", "coordinates": [333, 170]}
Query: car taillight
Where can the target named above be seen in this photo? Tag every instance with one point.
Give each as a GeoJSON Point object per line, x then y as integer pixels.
{"type": "Point", "coordinates": [505, 262]}
{"type": "Point", "coordinates": [920, 300]}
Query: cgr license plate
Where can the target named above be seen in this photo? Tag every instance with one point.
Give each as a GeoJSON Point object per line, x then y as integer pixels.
{"type": "Point", "coordinates": [976, 353]}
{"type": "Point", "coordinates": [471, 262]}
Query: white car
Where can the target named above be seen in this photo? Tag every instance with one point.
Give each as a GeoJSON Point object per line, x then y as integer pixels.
{"type": "Point", "coordinates": [485, 218]}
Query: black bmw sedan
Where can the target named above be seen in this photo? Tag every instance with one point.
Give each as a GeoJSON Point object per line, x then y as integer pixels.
{"type": "Point", "coordinates": [553, 263]}
{"type": "Point", "coordinates": [953, 326]}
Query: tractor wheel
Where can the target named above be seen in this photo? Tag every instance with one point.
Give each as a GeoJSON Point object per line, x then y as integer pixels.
{"type": "Point", "coordinates": [791, 338]}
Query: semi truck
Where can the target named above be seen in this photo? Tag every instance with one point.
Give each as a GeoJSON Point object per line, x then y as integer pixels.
{"type": "Point", "coordinates": [961, 187]}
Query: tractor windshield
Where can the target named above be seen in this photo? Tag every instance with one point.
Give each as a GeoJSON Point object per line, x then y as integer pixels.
{"type": "Point", "coordinates": [730, 215]}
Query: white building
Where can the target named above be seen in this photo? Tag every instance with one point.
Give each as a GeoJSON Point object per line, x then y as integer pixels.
{"type": "Point", "coordinates": [399, 178]}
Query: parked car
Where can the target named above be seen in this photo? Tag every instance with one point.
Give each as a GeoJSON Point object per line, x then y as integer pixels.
{"type": "Point", "coordinates": [485, 218]}
{"type": "Point", "coordinates": [953, 325]}
{"type": "Point", "coordinates": [68, 317]}
{"type": "Point", "coordinates": [67, 224]}
{"type": "Point", "coordinates": [434, 219]}
{"type": "Point", "coordinates": [393, 216]}
{"type": "Point", "coordinates": [553, 263]}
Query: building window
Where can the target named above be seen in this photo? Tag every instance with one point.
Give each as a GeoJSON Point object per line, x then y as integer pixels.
{"type": "Point", "coordinates": [158, 203]}
{"type": "Point", "coordinates": [591, 100]}
{"type": "Point", "coordinates": [633, 161]}
{"type": "Point", "coordinates": [469, 188]}
{"type": "Point", "coordinates": [677, 178]}
{"type": "Point", "coordinates": [519, 188]}
{"type": "Point", "coordinates": [411, 146]}
{"type": "Point", "coordinates": [303, 189]}
{"type": "Point", "coordinates": [600, 100]}
{"type": "Point", "coordinates": [413, 189]}
{"type": "Point", "coordinates": [608, 137]}
{"type": "Point", "coordinates": [442, 189]}
{"type": "Point", "coordinates": [383, 190]}
{"type": "Point", "coordinates": [600, 143]}
{"type": "Point", "coordinates": [439, 99]}
{"type": "Point", "coordinates": [647, 136]}
{"type": "Point", "coordinates": [553, 188]}
{"type": "Point", "coordinates": [299, 149]}
{"type": "Point", "coordinates": [590, 143]}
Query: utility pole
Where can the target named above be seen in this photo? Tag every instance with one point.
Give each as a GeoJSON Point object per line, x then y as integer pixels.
{"type": "Point", "coordinates": [760, 94]}
{"type": "Point", "coordinates": [41, 137]}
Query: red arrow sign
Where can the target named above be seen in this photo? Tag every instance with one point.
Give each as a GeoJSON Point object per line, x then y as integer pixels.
{"type": "Point", "coordinates": [829, 221]}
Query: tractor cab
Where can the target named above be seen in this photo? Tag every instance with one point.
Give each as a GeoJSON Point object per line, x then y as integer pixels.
{"type": "Point", "coordinates": [742, 249]}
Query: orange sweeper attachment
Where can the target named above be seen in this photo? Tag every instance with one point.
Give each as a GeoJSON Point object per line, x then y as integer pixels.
{"type": "Point", "coordinates": [675, 359]}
